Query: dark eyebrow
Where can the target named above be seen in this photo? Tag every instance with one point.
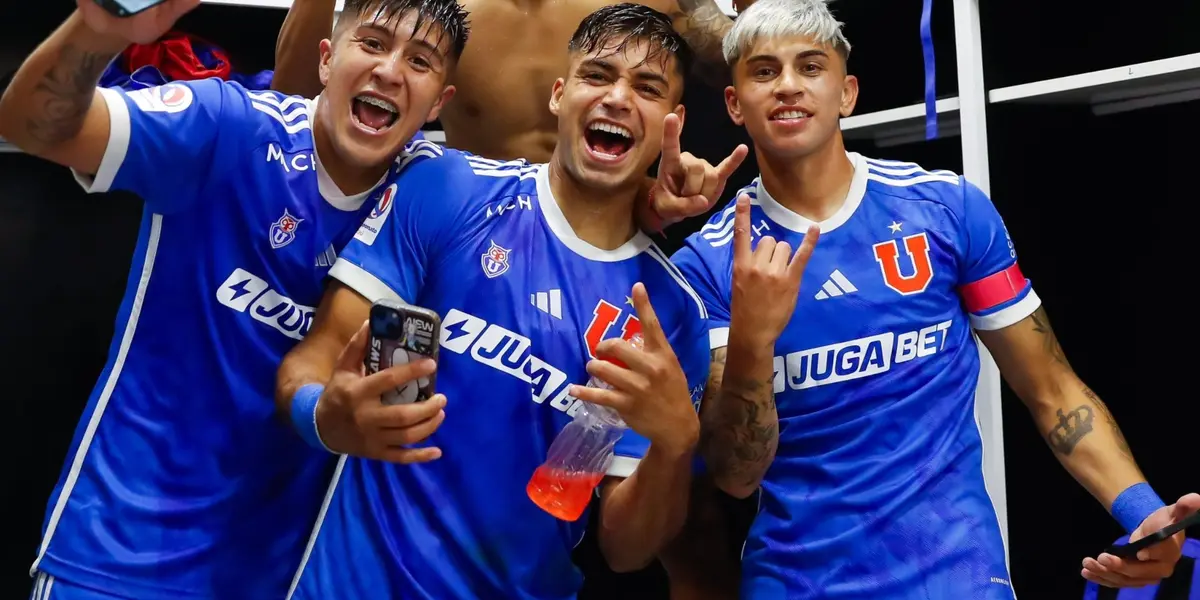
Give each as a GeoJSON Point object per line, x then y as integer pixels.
{"type": "Point", "coordinates": [420, 41]}
{"type": "Point", "coordinates": [607, 67]}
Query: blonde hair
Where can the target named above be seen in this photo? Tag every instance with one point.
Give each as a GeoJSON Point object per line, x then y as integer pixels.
{"type": "Point", "coordinates": [784, 18]}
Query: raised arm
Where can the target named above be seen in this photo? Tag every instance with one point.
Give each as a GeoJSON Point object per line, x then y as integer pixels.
{"type": "Point", "coordinates": [52, 108]}
{"type": "Point", "coordinates": [704, 26]}
{"type": "Point", "coordinates": [741, 428]}
{"type": "Point", "coordinates": [298, 47]}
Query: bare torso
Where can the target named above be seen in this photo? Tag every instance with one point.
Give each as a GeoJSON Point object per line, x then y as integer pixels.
{"type": "Point", "coordinates": [517, 49]}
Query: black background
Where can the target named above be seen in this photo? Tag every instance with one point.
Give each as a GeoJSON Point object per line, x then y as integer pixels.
{"type": "Point", "coordinates": [1096, 206]}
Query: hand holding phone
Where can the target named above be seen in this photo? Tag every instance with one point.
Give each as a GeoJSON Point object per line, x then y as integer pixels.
{"type": "Point", "coordinates": [352, 420]}
{"type": "Point", "coordinates": [136, 21]}
{"type": "Point", "coordinates": [1151, 557]}
{"type": "Point", "coordinates": [1131, 549]}
{"type": "Point", "coordinates": [401, 334]}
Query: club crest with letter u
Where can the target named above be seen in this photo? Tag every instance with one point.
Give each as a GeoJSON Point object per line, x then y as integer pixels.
{"type": "Point", "coordinates": [283, 231]}
{"type": "Point", "coordinates": [495, 261]}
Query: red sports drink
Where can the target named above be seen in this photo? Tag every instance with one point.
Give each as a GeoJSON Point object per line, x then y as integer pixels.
{"type": "Point", "coordinates": [578, 458]}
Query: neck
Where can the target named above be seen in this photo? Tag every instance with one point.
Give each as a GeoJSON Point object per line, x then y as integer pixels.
{"type": "Point", "coordinates": [813, 186]}
{"type": "Point", "coordinates": [602, 218]}
{"type": "Point", "coordinates": [349, 179]}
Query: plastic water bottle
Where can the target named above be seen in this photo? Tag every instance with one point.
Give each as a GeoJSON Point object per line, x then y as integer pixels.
{"type": "Point", "coordinates": [579, 457]}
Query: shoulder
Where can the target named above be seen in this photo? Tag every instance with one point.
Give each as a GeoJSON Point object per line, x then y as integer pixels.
{"type": "Point", "coordinates": [715, 237]}
{"type": "Point", "coordinates": [672, 282]}
{"type": "Point", "coordinates": [908, 181]}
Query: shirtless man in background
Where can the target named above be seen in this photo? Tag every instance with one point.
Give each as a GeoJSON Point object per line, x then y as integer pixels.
{"type": "Point", "coordinates": [517, 49]}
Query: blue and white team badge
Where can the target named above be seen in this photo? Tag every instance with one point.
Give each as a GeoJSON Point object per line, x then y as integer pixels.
{"type": "Point", "coordinates": [494, 261]}
{"type": "Point", "coordinates": [283, 231]}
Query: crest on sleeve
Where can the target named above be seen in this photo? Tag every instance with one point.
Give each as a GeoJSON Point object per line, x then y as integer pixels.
{"type": "Point", "coordinates": [495, 261]}
{"type": "Point", "coordinates": [283, 231]}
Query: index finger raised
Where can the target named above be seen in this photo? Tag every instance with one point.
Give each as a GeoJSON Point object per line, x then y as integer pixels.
{"type": "Point", "coordinates": [741, 229]}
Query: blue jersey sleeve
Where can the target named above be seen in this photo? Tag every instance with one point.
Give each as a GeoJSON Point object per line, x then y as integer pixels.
{"type": "Point", "coordinates": [689, 341]}
{"type": "Point", "coordinates": [413, 219]}
{"type": "Point", "coordinates": [993, 290]}
{"type": "Point", "coordinates": [166, 142]}
{"type": "Point", "coordinates": [709, 273]}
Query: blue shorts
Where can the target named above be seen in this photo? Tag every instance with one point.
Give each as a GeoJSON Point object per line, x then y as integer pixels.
{"type": "Point", "coordinates": [48, 587]}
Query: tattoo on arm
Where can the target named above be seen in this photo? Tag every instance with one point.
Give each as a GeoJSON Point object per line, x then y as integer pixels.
{"type": "Point", "coordinates": [1041, 324]}
{"type": "Point", "coordinates": [1070, 429]}
{"type": "Point", "coordinates": [739, 437]}
{"type": "Point", "coordinates": [704, 28]}
{"type": "Point", "coordinates": [66, 91]}
{"type": "Point", "coordinates": [1102, 408]}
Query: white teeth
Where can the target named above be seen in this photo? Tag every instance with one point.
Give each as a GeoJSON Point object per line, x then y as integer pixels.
{"type": "Point", "coordinates": [610, 128]}
{"type": "Point", "coordinates": [790, 114]}
{"type": "Point", "coordinates": [381, 103]}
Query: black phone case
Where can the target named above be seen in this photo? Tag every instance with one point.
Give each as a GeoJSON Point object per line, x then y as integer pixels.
{"type": "Point", "coordinates": [401, 334]}
{"type": "Point", "coordinates": [1130, 550]}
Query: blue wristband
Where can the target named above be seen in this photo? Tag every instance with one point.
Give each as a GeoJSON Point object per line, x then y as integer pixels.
{"type": "Point", "coordinates": [304, 414]}
{"type": "Point", "coordinates": [1133, 505]}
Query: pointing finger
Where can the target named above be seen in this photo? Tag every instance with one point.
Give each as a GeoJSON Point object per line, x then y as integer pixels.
{"type": "Point", "coordinates": [804, 252]}
{"type": "Point", "coordinates": [652, 331]}
{"type": "Point", "coordinates": [741, 229]}
{"type": "Point", "coordinates": [732, 162]}
{"type": "Point", "coordinates": [670, 143]}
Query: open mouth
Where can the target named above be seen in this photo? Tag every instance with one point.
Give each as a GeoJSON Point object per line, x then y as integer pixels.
{"type": "Point", "coordinates": [374, 113]}
{"type": "Point", "coordinates": [790, 115]}
{"type": "Point", "coordinates": [608, 140]}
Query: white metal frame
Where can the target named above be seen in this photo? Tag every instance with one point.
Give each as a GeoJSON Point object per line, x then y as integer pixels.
{"type": "Point", "coordinates": [972, 109]}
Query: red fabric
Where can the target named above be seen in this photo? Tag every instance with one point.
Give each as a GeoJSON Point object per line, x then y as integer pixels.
{"type": "Point", "coordinates": [993, 290]}
{"type": "Point", "coordinates": [176, 58]}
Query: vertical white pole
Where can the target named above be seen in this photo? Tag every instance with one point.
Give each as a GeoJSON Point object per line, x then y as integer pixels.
{"type": "Point", "coordinates": [972, 98]}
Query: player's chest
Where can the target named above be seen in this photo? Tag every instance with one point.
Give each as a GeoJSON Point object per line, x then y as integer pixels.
{"type": "Point", "coordinates": [890, 275]}
{"type": "Point", "coordinates": [525, 309]}
{"type": "Point", "coordinates": [285, 246]}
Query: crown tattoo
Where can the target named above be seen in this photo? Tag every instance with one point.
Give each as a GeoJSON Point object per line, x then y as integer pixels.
{"type": "Point", "coordinates": [1070, 429]}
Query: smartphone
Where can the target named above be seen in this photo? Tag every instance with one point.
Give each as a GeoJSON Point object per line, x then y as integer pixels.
{"type": "Point", "coordinates": [127, 8]}
{"type": "Point", "coordinates": [401, 334]}
{"type": "Point", "coordinates": [1131, 550]}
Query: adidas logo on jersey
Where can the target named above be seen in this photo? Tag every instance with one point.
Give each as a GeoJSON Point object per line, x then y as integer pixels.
{"type": "Point", "coordinates": [548, 302]}
{"type": "Point", "coordinates": [836, 285]}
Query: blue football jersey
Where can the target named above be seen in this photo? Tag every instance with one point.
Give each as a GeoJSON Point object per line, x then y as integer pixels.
{"type": "Point", "coordinates": [877, 489]}
{"type": "Point", "coordinates": [523, 303]}
{"type": "Point", "coordinates": [181, 482]}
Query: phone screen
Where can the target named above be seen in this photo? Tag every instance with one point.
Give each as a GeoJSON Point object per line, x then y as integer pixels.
{"type": "Point", "coordinates": [132, 6]}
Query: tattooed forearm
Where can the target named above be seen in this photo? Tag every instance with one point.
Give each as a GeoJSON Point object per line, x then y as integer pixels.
{"type": "Point", "coordinates": [64, 94]}
{"type": "Point", "coordinates": [741, 428]}
{"type": "Point", "coordinates": [1070, 428]}
{"type": "Point", "coordinates": [704, 26]}
{"type": "Point", "coordinates": [1102, 408]}
{"type": "Point", "coordinates": [1041, 324]}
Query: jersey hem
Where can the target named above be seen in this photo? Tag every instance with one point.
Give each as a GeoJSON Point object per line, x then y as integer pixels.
{"type": "Point", "coordinates": [1007, 316]}
{"type": "Point", "coordinates": [623, 466]}
{"type": "Point", "coordinates": [363, 282]}
{"type": "Point", "coordinates": [123, 587]}
{"type": "Point", "coordinates": [718, 337]}
{"type": "Point", "coordinates": [116, 148]}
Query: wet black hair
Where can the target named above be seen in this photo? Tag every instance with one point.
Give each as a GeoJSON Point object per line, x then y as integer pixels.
{"type": "Point", "coordinates": [612, 28]}
{"type": "Point", "coordinates": [450, 18]}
